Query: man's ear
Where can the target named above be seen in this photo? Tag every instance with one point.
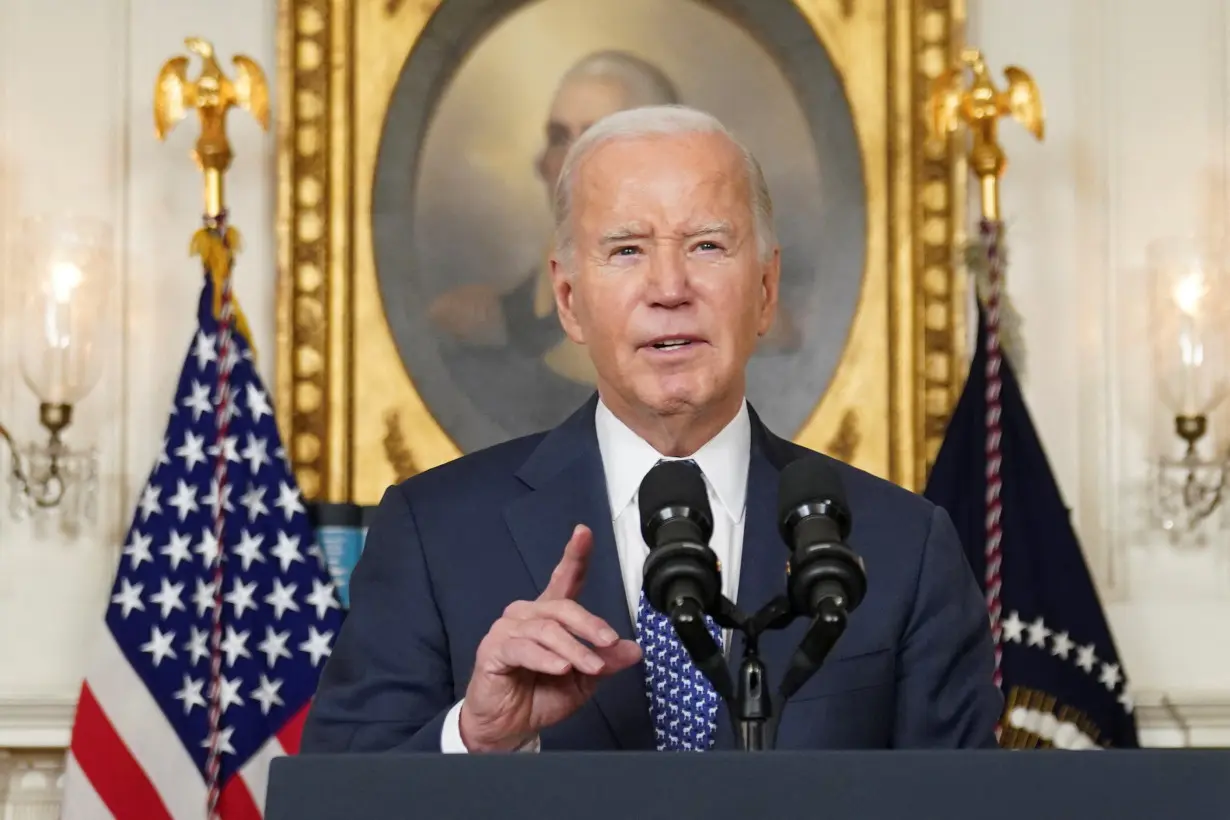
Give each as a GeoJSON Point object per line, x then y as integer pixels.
{"type": "Point", "coordinates": [563, 283]}
{"type": "Point", "coordinates": [770, 282]}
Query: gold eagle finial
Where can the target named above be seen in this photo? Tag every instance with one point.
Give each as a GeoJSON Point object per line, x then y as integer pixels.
{"type": "Point", "coordinates": [979, 106]}
{"type": "Point", "coordinates": [212, 94]}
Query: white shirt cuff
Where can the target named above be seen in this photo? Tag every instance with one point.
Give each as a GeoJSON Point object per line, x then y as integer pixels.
{"type": "Point", "coordinates": [450, 734]}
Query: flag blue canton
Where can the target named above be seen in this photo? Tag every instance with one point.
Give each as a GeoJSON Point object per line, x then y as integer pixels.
{"type": "Point", "coordinates": [280, 613]}
{"type": "Point", "coordinates": [1063, 681]}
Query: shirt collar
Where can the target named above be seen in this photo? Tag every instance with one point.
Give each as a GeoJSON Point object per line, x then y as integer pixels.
{"type": "Point", "coordinates": [626, 458]}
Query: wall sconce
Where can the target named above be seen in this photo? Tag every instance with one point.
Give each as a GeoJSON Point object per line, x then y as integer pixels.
{"type": "Point", "coordinates": [1191, 309]}
{"type": "Point", "coordinates": [63, 266]}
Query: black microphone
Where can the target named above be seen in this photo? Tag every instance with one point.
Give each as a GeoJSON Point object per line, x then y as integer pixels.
{"type": "Point", "coordinates": [827, 580]}
{"type": "Point", "coordinates": [682, 578]}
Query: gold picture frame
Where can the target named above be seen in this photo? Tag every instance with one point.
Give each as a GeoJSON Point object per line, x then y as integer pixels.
{"type": "Point", "coordinates": [348, 407]}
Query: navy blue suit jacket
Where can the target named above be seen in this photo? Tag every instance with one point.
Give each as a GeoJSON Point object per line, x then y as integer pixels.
{"type": "Point", "coordinates": [450, 548]}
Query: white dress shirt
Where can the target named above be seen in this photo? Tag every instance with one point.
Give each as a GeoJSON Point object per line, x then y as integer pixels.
{"type": "Point", "coordinates": [626, 458]}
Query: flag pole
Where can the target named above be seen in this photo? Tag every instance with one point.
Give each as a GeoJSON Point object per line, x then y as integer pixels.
{"type": "Point", "coordinates": [977, 107]}
{"type": "Point", "coordinates": [212, 95]}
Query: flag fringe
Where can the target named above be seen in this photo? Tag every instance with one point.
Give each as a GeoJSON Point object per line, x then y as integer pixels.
{"type": "Point", "coordinates": [217, 252]}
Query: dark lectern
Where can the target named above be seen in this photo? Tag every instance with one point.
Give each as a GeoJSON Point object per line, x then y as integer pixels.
{"type": "Point", "coordinates": [915, 785]}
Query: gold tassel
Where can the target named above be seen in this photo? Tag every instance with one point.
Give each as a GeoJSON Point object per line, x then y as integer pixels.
{"type": "Point", "coordinates": [219, 258]}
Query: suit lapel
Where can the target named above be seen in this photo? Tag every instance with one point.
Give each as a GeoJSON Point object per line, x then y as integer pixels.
{"type": "Point", "coordinates": [569, 486]}
{"type": "Point", "coordinates": [762, 570]}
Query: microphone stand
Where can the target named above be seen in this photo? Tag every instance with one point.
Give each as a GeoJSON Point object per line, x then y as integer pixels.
{"type": "Point", "coordinates": [755, 712]}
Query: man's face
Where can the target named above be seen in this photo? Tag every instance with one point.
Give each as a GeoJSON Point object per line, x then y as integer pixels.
{"type": "Point", "coordinates": [578, 104]}
{"type": "Point", "coordinates": [666, 287]}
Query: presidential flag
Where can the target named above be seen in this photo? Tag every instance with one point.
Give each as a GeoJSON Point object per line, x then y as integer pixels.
{"type": "Point", "coordinates": [1056, 661]}
{"type": "Point", "coordinates": [222, 611]}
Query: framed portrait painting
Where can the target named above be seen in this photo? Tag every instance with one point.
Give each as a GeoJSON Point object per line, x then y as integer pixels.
{"type": "Point", "coordinates": [420, 142]}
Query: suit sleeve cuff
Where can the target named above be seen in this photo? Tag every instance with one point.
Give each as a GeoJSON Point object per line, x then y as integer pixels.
{"type": "Point", "coordinates": [450, 734]}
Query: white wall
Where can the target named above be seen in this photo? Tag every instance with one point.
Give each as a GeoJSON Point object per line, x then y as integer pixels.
{"type": "Point", "coordinates": [1136, 98]}
{"type": "Point", "coordinates": [76, 132]}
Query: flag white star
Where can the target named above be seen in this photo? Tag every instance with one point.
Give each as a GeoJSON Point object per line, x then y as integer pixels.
{"type": "Point", "coordinates": [274, 646]}
{"type": "Point", "coordinates": [286, 550]}
{"type": "Point", "coordinates": [215, 500]}
{"type": "Point", "coordinates": [249, 548]}
{"type": "Point", "coordinates": [322, 598]}
{"type": "Point", "coordinates": [129, 597]}
{"type": "Point", "coordinates": [203, 597]}
{"type": "Point", "coordinates": [137, 549]}
{"type": "Point", "coordinates": [1110, 676]}
{"type": "Point", "coordinates": [230, 449]}
{"type": "Point", "coordinates": [190, 694]}
{"type": "Point", "coordinates": [254, 452]}
{"type": "Point", "coordinates": [254, 501]}
{"type": "Point", "coordinates": [282, 598]}
{"type": "Point", "coordinates": [199, 401]}
{"type": "Point", "coordinates": [168, 597]}
{"type": "Point", "coordinates": [1127, 701]}
{"type": "Point", "coordinates": [267, 694]}
{"type": "Point", "coordinates": [224, 741]}
{"type": "Point", "coordinates": [1062, 645]}
{"type": "Point", "coordinates": [196, 645]}
{"type": "Point", "coordinates": [240, 597]}
{"type": "Point", "coordinates": [192, 451]}
{"type": "Point", "coordinates": [234, 645]}
{"type": "Point", "coordinates": [288, 500]}
{"type": "Point", "coordinates": [258, 403]}
{"type": "Point", "coordinates": [230, 693]}
{"type": "Point", "coordinates": [1038, 633]}
{"type": "Point", "coordinates": [207, 548]}
{"type": "Point", "coordinates": [317, 644]}
{"type": "Point", "coordinates": [1013, 627]}
{"type": "Point", "coordinates": [163, 459]}
{"type": "Point", "coordinates": [184, 499]}
{"type": "Point", "coordinates": [159, 645]}
{"type": "Point", "coordinates": [178, 550]}
{"type": "Point", "coordinates": [1085, 658]}
{"type": "Point", "coordinates": [204, 349]}
{"type": "Point", "coordinates": [149, 501]}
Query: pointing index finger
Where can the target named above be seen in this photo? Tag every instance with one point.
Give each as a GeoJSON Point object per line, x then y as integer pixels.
{"type": "Point", "coordinates": [569, 575]}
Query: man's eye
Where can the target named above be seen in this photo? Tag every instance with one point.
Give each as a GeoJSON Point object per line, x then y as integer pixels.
{"type": "Point", "coordinates": [707, 246]}
{"type": "Point", "coordinates": [627, 250]}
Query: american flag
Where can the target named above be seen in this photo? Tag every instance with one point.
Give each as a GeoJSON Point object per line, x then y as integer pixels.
{"type": "Point", "coordinates": [142, 734]}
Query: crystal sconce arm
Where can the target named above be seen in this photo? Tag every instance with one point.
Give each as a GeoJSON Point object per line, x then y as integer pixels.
{"type": "Point", "coordinates": [46, 488]}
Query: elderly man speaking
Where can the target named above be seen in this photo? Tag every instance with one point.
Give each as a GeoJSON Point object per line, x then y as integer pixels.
{"type": "Point", "coordinates": [497, 605]}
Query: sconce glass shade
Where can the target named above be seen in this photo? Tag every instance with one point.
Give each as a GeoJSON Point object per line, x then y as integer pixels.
{"type": "Point", "coordinates": [1190, 309]}
{"type": "Point", "coordinates": [65, 264]}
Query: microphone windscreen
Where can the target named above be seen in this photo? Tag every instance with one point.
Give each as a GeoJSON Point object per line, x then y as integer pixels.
{"type": "Point", "coordinates": [672, 484]}
{"type": "Point", "coordinates": [809, 480]}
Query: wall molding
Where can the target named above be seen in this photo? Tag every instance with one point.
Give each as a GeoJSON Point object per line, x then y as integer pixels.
{"type": "Point", "coordinates": [36, 722]}
{"type": "Point", "coordinates": [1183, 711]}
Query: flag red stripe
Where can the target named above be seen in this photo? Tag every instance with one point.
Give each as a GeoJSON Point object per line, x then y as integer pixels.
{"type": "Point", "coordinates": [236, 802]}
{"type": "Point", "coordinates": [115, 775]}
{"type": "Point", "coordinates": [292, 731]}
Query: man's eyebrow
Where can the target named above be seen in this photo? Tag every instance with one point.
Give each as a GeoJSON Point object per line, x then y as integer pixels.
{"type": "Point", "coordinates": [623, 233]}
{"type": "Point", "coordinates": [710, 227]}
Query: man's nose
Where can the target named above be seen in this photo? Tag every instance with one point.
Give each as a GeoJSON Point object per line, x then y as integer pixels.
{"type": "Point", "coordinates": [668, 276]}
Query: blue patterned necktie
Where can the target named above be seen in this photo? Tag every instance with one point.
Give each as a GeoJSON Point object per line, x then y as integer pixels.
{"type": "Point", "coordinates": [682, 702]}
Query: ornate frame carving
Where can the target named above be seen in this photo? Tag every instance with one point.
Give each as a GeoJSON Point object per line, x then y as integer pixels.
{"type": "Point", "coordinates": [345, 446]}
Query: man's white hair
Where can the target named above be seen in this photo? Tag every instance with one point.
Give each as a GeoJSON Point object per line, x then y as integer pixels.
{"type": "Point", "coordinates": [635, 123]}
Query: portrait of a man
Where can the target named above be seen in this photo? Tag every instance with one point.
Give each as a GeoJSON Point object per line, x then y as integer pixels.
{"type": "Point", "coordinates": [461, 219]}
